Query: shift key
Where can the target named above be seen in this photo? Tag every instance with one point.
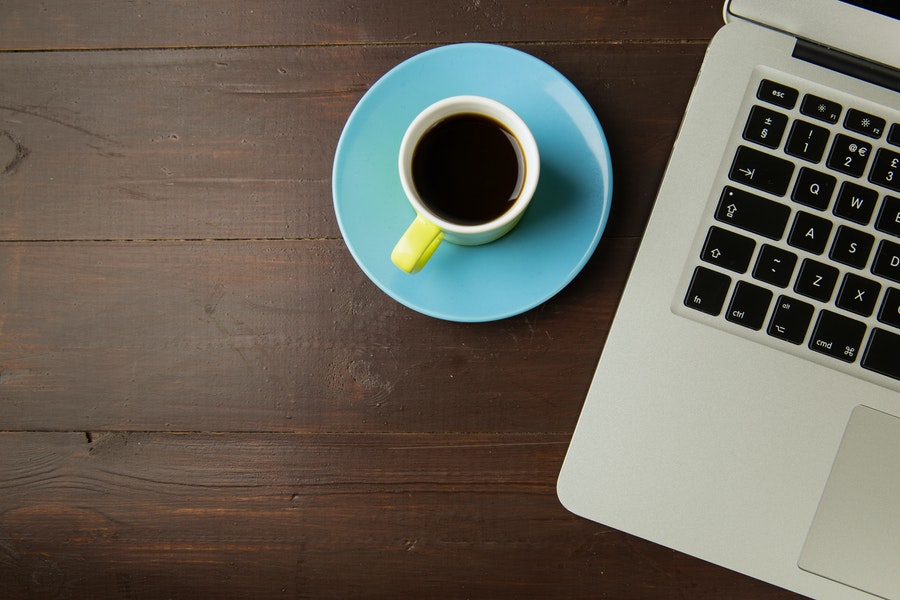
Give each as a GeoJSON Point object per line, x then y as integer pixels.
{"type": "Point", "coordinates": [761, 171]}
{"type": "Point", "coordinates": [753, 213]}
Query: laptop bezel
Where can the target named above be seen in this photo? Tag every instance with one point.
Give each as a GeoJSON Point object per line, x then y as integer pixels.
{"type": "Point", "coordinates": [831, 23]}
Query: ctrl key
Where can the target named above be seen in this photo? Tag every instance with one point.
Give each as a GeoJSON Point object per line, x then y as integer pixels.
{"type": "Point", "coordinates": [882, 355]}
{"type": "Point", "coordinates": [707, 291]}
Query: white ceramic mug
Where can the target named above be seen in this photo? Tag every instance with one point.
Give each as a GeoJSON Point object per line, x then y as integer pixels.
{"type": "Point", "coordinates": [459, 160]}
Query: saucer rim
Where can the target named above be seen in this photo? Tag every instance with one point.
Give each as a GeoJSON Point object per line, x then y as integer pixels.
{"type": "Point", "coordinates": [529, 301]}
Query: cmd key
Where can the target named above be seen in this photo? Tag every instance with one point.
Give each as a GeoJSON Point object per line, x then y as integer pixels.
{"type": "Point", "coordinates": [837, 336]}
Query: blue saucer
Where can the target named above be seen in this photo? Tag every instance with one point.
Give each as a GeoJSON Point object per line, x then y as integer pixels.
{"type": "Point", "coordinates": [561, 227]}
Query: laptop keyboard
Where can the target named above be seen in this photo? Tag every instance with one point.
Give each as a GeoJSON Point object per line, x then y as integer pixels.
{"type": "Point", "coordinates": [801, 246]}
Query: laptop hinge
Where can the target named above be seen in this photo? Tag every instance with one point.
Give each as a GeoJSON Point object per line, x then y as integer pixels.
{"type": "Point", "coordinates": [848, 64]}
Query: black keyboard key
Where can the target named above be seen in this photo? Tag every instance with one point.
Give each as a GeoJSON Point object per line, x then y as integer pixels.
{"type": "Point", "coordinates": [886, 169]}
{"type": "Point", "coordinates": [858, 294]}
{"type": "Point", "coordinates": [807, 141]}
{"type": "Point", "coordinates": [837, 336]}
{"type": "Point", "coordinates": [810, 233]}
{"type": "Point", "coordinates": [777, 93]}
{"type": "Point", "coordinates": [883, 353]}
{"type": "Point", "coordinates": [820, 108]}
{"type": "Point", "coordinates": [765, 127]}
{"type": "Point", "coordinates": [707, 291]}
{"type": "Point", "coordinates": [816, 280]}
{"type": "Point", "coordinates": [849, 155]}
{"type": "Point", "coordinates": [894, 134]}
{"type": "Point", "coordinates": [727, 249]}
{"type": "Point", "coordinates": [814, 188]}
{"type": "Point", "coordinates": [790, 320]}
{"type": "Point", "coordinates": [887, 261]}
{"type": "Point", "coordinates": [851, 247]}
{"type": "Point", "coordinates": [864, 123]}
{"type": "Point", "coordinates": [752, 213]}
{"type": "Point", "coordinates": [749, 305]}
{"type": "Point", "coordinates": [761, 171]}
{"type": "Point", "coordinates": [889, 217]}
{"type": "Point", "coordinates": [889, 313]}
{"type": "Point", "coordinates": [856, 203]}
{"type": "Point", "coordinates": [775, 266]}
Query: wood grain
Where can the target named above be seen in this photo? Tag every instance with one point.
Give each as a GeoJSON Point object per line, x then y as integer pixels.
{"type": "Point", "coordinates": [58, 24]}
{"type": "Point", "coordinates": [152, 515]}
{"type": "Point", "coordinates": [239, 143]}
{"type": "Point", "coordinates": [203, 396]}
{"type": "Point", "coordinates": [269, 336]}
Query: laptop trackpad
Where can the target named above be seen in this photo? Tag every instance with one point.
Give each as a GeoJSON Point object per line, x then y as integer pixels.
{"type": "Point", "coordinates": [855, 536]}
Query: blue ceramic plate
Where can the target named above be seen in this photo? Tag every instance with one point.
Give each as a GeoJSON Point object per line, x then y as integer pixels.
{"type": "Point", "coordinates": [561, 227]}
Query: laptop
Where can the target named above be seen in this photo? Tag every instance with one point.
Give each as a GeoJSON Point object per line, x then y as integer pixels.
{"type": "Point", "coordinates": [746, 406]}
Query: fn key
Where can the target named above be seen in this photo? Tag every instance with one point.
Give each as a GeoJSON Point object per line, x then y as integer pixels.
{"type": "Point", "coordinates": [707, 291]}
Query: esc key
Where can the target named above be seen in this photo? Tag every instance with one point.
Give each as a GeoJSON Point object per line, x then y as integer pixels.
{"type": "Point", "coordinates": [776, 93]}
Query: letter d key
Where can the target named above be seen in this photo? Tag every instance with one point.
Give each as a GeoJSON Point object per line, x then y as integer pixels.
{"type": "Point", "coordinates": [887, 261]}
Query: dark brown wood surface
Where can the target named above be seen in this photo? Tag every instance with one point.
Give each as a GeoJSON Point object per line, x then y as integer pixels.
{"type": "Point", "coordinates": [203, 396]}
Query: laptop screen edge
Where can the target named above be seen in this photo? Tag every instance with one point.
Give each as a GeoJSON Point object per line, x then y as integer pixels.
{"type": "Point", "coordinates": [832, 23]}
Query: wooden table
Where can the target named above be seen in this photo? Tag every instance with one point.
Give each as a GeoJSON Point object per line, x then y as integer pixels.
{"type": "Point", "coordinates": [201, 393]}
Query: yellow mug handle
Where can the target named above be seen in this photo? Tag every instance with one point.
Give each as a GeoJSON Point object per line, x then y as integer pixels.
{"type": "Point", "coordinates": [417, 245]}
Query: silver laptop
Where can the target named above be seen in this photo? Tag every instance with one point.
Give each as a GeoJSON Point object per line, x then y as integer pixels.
{"type": "Point", "coordinates": [746, 407]}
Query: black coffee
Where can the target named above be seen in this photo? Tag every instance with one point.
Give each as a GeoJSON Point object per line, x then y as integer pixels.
{"type": "Point", "coordinates": [468, 169]}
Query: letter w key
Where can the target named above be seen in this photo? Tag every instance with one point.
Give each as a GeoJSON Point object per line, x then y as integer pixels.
{"type": "Point", "coordinates": [856, 203]}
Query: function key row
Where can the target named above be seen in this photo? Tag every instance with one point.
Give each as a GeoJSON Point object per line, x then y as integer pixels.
{"type": "Point", "coordinates": [827, 110]}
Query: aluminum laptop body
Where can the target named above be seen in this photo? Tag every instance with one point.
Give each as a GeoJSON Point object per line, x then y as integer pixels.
{"type": "Point", "coordinates": [746, 406]}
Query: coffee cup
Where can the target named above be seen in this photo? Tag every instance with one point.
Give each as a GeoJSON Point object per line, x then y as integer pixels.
{"type": "Point", "coordinates": [469, 166]}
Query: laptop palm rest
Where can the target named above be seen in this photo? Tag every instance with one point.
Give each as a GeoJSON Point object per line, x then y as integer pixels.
{"type": "Point", "coordinates": [855, 536]}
